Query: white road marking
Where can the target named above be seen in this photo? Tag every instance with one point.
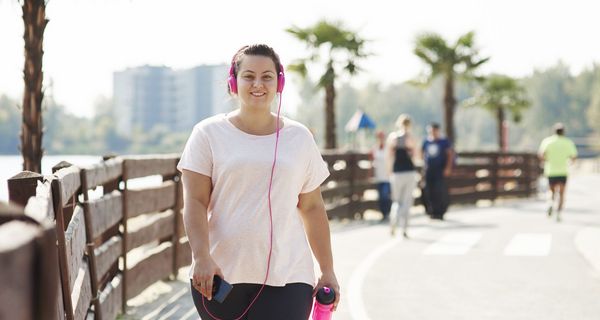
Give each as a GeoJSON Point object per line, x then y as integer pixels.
{"type": "Point", "coordinates": [529, 244]}
{"type": "Point", "coordinates": [456, 243]}
{"type": "Point", "coordinates": [355, 301]}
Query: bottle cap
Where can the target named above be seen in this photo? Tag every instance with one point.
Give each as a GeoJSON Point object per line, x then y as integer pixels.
{"type": "Point", "coordinates": [325, 295]}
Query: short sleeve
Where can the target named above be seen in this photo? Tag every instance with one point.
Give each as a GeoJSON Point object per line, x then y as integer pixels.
{"type": "Point", "coordinates": [197, 154]}
{"type": "Point", "coordinates": [542, 148]}
{"type": "Point", "coordinates": [573, 150]}
{"type": "Point", "coordinates": [317, 170]}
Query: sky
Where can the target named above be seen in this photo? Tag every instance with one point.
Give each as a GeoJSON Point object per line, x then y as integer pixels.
{"type": "Point", "coordinates": [87, 40]}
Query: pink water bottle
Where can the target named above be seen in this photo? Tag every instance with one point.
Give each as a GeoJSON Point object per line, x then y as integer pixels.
{"type": "Point", "coordinates": [323, 304]}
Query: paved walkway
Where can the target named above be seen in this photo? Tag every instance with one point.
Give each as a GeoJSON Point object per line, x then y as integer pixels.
{"type": "Point", "coordinates": [507, 261]}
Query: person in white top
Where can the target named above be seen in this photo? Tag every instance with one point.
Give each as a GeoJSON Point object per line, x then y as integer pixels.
{"type": "Point", "coordinates": [382, 176]}
{"type": "Point", "coordinates": [253, 210]}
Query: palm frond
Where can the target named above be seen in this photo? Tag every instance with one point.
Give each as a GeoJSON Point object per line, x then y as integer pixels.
{"type": "Point", "coordinates": [466, 40]}
{"type": "Point", "coordinates": [299, 67]}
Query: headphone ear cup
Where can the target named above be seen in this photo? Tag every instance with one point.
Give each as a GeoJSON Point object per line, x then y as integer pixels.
{"type": "Point", "coordinates": [231, 80]}
{"type": "Point", "coordinates": [280, 81]}
{"type": "Point", "coordinates": [232, 84]}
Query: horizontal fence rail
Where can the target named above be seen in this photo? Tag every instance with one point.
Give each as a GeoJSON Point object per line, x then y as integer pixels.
{"type": "Point", "coordinates": [475, 176]}
{"type": "Point", "coordinates": [97, 236]}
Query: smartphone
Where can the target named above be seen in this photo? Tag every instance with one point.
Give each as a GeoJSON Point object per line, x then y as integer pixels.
{"type": "Point", "coordinates": [221, 289]}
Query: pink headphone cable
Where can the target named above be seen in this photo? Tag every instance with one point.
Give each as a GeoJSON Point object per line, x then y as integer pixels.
{"type": "Point", "coordinates": [270, 225]}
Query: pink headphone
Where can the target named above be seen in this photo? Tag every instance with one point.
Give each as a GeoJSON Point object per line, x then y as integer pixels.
{"type": "Point", "coordinates": [233, 81]}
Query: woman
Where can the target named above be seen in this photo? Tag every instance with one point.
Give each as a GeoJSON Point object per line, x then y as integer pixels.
{"type": "Point", "coordinates": [403, 180]}
{"type": "Point", "coordinates": [252, 200]}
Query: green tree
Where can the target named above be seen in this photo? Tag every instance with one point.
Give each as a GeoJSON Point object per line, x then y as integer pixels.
{"type": "Point", "coordinates": [593, 109]}
{"type": "Point", "coordinates": [551, 101]}
{"type": "Point", "coordinates": [458, 61]}
{"type": "Point", "coordinates": [34, 19]}
{"type": "Point", "coordinates": [501, 94]}
{"type": "Point", "coordinates": [309, 112]}
{"type": "Point", "coordinates": [105, 128]}
{"type": "Point", "coordinates": [339, 47]}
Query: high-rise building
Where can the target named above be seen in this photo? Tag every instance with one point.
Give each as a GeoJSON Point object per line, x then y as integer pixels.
{"type": "Point", "coordinates": [176, 99]}
{"type": "Point", "coordinates": [201, 93]}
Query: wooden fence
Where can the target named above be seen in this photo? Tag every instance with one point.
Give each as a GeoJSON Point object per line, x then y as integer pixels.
{"type": "Point", "coordinates": [116, 235]}
{"type": "Point", "coordinates": [476, 176]}
{"type": "Point", "coordinates": [113, 240]}
{"type": "Point", "coordinates": [28, 264]}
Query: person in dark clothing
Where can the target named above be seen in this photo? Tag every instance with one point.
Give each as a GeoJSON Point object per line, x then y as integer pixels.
{"type": "Point", "coordinates": [437, 156]}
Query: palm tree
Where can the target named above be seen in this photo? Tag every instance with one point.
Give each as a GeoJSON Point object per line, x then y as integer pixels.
{"type": "Point", "coordinates": [335, 41]}
{"type": "Point", "coordinates": [458, 61]}
{"type": "Point", "coordinates": [34, 19]}
{"type": "Point", "coordinates": [499, 95]}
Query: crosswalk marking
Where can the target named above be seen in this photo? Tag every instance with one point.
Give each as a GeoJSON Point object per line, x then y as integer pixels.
{"type": "Point", "coordinates": [456, 243]}
{"type": "Point", "coordinates": [529, 244]}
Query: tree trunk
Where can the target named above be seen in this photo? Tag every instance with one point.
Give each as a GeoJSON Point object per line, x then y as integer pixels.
{"type": "Point", "coordinates": [330, 137]}
{"type": "Point", "coordinates": [501, 130]}
{"type": "Point", "coordinates": [34, 19]}
{"type": "Point", "coordinates": [449, 104]}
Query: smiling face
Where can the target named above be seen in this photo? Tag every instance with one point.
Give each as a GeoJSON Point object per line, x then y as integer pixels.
{"type": "Point", "coordinates": [256, 81]}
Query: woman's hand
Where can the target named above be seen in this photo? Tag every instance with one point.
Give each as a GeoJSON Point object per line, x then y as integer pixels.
{"type": "Point", "coordinates": [329, 280]}
{"type": "Point", "coordinates": [202, 276]}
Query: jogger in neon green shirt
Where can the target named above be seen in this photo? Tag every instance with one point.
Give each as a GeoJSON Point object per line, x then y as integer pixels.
{"type": "Point", "coordinates": [556, 151]}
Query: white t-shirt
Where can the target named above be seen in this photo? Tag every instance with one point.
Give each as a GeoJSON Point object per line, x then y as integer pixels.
{"type": "Point", "coordinates": [239, 165]}
{"type": "Point", "coordinates": [379, 165]}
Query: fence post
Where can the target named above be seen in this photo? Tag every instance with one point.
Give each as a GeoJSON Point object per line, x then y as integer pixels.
{"type": "Point", "coordinates": [176, 213]}
{"type": "Point", "coordinates": [90, 248]}
{"type": "Point", "coordinates": [494, 175]}
{"type": "Point", "coordinates": [351, 166]}
{"type": "Point", "coordinates": [60, 234]}
{"type": "Point", "coordinates": [22, 186]}
{"type": "Point", "coordinates": [113, 185]}
{"type": "Point", "coordinates": [178, 222]}
{"type": "Point", "coordinates": [47, 273]}
{"type": "Point", "coordinates": [42, 286]}
{"type": "Point", "coordinates": [527, 164]}
{"type": "Point", "coordinates": [124, 237]}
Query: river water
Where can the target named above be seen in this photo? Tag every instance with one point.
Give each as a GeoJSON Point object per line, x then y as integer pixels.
{"type": "Point", "coordinates": [11, 165]}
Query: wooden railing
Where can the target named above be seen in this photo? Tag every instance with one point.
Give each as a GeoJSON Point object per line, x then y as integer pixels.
{"type": "Point", "coordinates": [344, 189]}
{"type": "Point", "coordinates": [115, 239]}
{"type": "Point", "coordinates": [28, 263]}
{"type": "Point", "coordinates": [489, 176]}
{"type": "Point", "coordinates": [114, 242]}
{"type": "Point", "coordinates": [475, 177]}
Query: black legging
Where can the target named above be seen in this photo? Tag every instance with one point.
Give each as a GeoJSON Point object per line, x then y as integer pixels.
{"type": "Point", "coordinates": [292, 302]}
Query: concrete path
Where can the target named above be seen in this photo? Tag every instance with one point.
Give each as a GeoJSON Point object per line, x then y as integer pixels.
{"type": "Point", "coordinates": [506, 261]}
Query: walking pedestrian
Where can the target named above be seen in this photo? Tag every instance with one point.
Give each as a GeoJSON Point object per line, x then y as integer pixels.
{"type": "Point", "coordinates": [253, 210]}
{"type": "Point", "coordinates": [401, 149]}
{"type": "Point", "coordinates": [438, 159]}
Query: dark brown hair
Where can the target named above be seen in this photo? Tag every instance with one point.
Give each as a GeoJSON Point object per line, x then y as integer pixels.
{"type": "Point", "coordinates": [255, 50]}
